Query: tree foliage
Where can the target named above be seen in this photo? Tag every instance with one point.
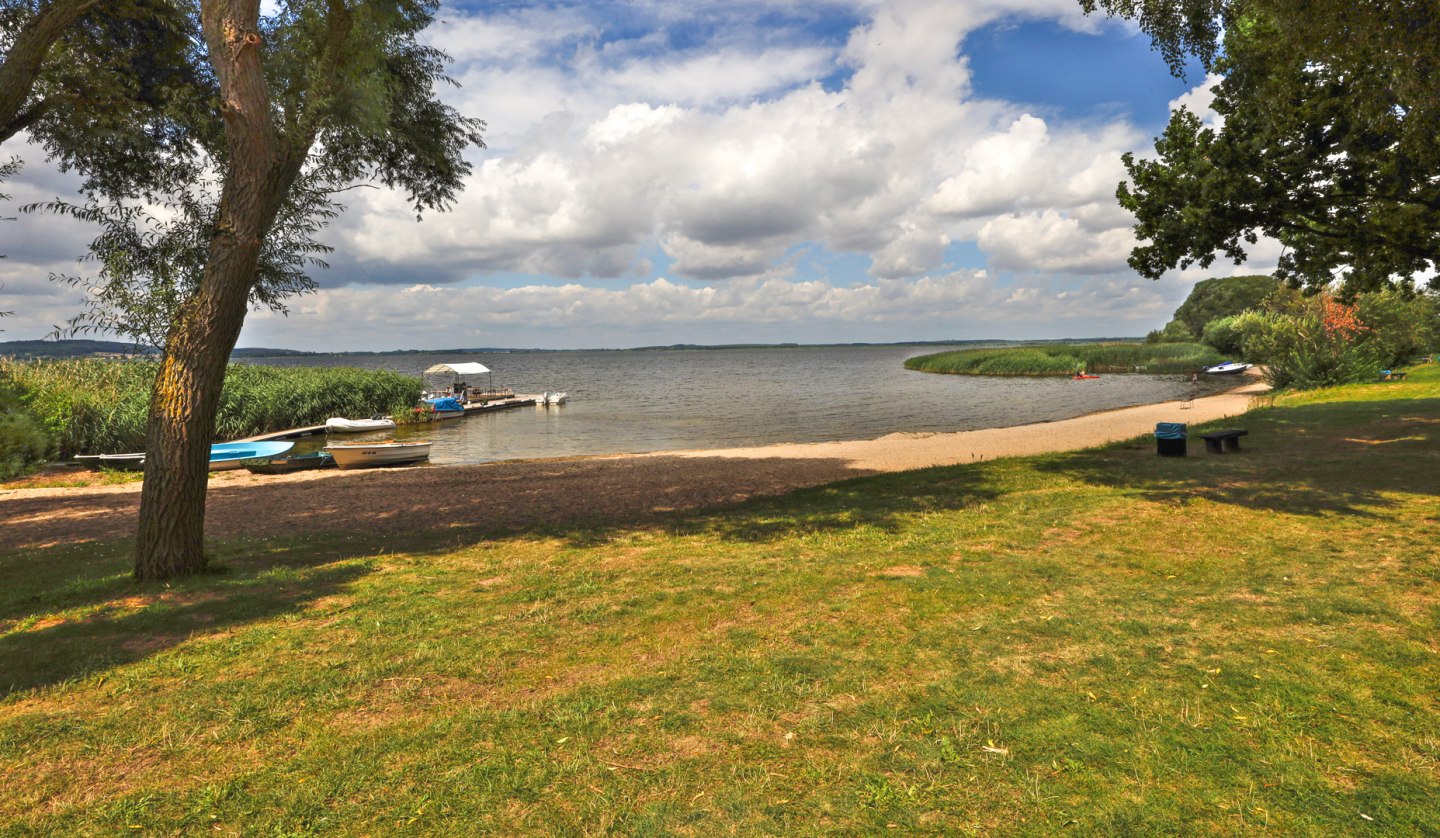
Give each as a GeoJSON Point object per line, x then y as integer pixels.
{"type": "Point", "coordinates": [1211, 299]}
{"type": "Point", "coordinates": [1330, 110]}
{"type": "Point", "coordinates": [236, 132]}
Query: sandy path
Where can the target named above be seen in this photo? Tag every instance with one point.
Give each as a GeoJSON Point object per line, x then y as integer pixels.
{"type": "Point", "coordinates": [509, 495]}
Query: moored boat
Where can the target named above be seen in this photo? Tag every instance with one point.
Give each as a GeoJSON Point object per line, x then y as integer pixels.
{"type": "Point", "coordinates": [223, 455]}
{"type": "Point", "coordinates": [341, 425]}
{"type": "Point", "coordinates": [228, 455]}
{"type": "Point", "coordinates": [293, 462]}
{"type": "Point", "coordinates": [125, 461]}
{"type": "Point", "coordinates": [549, 398]}
{"type": "Point", "coordinates": [434, 410]}
{"type": "Point", "coordinates": [1227, 368]}
{"type": "Point", "coordinates": [371, 454]}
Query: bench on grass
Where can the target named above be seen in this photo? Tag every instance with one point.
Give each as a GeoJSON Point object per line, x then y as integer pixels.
{"type": "Point", "coordinates": [1218, 442]}
{"type": "Point", "coordinates": [1391, 375]}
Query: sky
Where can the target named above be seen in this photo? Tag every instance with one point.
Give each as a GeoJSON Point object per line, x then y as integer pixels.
{"type": "Point", "coordinates": [717, 172]}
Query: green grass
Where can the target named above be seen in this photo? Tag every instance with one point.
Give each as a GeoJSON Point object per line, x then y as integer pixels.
{"type": "Point", "coordinates": [1065, 359]}
{"type": "Point", "coordinates": [1102, 642]}
{"type": "Point", "coordinates": [99, 406]}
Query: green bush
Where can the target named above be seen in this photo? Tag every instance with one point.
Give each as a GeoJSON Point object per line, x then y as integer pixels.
{"type": "Point", "coordinates": [1223, 335]}
{"type": "Point", "coordinates": [1306, 349]}
{"type": "Point", "coordinates": [1308, 342]}
{"type": "Point", "coordinates": [23, 440]}
{"type": "Point", "coordinates": [1402, 325]}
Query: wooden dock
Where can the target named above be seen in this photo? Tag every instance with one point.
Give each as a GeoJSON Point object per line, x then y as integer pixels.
{"type": "Point", "coordinates": [470, 409]}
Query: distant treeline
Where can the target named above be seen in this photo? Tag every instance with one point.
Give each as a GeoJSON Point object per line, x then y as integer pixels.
{"type": "Point", "coordinates": [103, 348]}
{"type": "Point", "coordinates": [1068, 359]}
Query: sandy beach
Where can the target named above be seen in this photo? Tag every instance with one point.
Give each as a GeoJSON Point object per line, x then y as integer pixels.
{"type": "Point", "coordinates": [503, 496]}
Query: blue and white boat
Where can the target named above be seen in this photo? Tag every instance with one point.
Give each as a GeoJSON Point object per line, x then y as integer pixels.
{"type": "Point", "coordinates": [1227, 368]}
{"type": "Point", "coordinates": [228, 455]}
{"type": "Point", "coordinates": [432, 410]}
{"type": "Point", "coordinates": [223, 455]}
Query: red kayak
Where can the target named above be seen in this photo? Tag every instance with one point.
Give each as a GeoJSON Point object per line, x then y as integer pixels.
{"type": "Point", "coordinates": [1081, 375]}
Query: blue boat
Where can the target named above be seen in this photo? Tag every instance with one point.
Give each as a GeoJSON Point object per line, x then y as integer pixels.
{"type": "Point", "coordinates": [225, 455]}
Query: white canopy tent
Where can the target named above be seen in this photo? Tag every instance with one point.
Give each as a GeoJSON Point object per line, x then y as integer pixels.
{"type": "Point", "coordinates": [456, 371]}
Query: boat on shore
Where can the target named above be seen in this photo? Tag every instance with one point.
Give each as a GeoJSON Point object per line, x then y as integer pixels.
{"type": "Point", "coordinates": [341, 425]}
{"type": "Point", "coordinates": [372, 454]}
{"type": "Point", "coordinates": [293, 462]}
{"type": "Point", "coordinates": [1226, 368]}
{"type": "Point", "coordinates": [228, 455]}
{"type": "Point", "coordinates": [223, 455]}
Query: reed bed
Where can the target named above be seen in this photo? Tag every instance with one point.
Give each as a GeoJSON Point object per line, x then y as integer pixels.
{"type": "Point", "coordinates": [1067, 359]}
{"type": "Point", "coordinates": [99, 406]}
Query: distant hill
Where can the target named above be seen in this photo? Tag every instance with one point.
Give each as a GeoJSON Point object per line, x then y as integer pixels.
{"type": "Point", "coordinates": [71, 348]}
{"type": "Point", "coordinates": [262, 352]}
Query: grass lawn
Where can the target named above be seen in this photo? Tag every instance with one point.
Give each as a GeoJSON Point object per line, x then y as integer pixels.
{"type": "Point", "coordinates": [1104, 642]}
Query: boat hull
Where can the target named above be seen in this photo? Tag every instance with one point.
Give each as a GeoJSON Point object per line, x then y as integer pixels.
{"type": "Point", "coordinates": [230, 455]}
{"type": "Point", "coordinates": [350, 455]}
{"type": "Point", "coordinates": [337, 425]}
{"type": "Point", "coordinates": [1227, 369]}
{"type": "Point", "coordinates": [298, 462]}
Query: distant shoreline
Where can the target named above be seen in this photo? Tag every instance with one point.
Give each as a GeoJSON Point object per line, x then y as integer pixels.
{"type": "Point", "coordinates": [48, 349]}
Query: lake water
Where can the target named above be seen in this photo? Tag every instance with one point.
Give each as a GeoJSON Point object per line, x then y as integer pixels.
{"type": "Point", "coordinates": [657, 400]}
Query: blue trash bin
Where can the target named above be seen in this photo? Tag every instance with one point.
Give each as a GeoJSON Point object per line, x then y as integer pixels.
{"type": "Point", "coordinates": [1170, 439]}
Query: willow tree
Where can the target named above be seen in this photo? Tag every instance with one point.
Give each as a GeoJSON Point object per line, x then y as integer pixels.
{"type": "Point", "coordinates": [240, 129]}
{"type": "Point", "coordinates": [325, 94]}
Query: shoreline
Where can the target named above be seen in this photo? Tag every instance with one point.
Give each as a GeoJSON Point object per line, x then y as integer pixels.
{"type": "Point", "coordinates": [518, 495]}
{"type": "Point", "coordinates": [897, 451]}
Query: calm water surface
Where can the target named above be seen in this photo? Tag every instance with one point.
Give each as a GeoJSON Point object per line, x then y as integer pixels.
{"type": "Point", "coordinates": [658, 400]}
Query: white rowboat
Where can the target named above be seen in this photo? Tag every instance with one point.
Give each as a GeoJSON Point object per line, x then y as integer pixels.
{"type": "Point", "coordinates": [339, 425]}
{"type": "Point", "coordinates": [372, 454]}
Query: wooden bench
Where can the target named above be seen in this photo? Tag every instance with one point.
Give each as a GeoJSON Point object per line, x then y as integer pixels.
{"type": "Point", "coordinates": [1218, 442]}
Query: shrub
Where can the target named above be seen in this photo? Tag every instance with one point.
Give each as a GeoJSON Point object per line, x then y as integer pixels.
{"type": "Point", "coordinates": [1321, 344]}
{"type": "Point", "coordinates": [23, 440]}
{"type": "Point", "coordinates": [1223, 335]}
{"type": "Point", "coordinates": [1401, 325]}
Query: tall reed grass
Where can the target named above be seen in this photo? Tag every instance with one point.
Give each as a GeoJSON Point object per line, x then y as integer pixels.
{"type": "Point", "coordinates": [1067, 359]}
{"type": "Point", "coordinates": [99, 406]}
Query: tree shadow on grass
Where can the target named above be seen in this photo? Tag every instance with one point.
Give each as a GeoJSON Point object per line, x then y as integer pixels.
{"type": "Point", "coordinates": [1343, 459]}
{"type": "Point", "coordinates": [97, 618]}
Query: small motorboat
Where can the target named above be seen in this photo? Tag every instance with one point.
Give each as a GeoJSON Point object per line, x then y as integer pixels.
{"type": "Point", "coordinates": [293, 462]}
{"type": "Point", "coordinates": [1227, 368]}
{"type": "Point", "coordinates": [339, 425]}
{"type": "Point", "coordinates": [228, 455]}
{"type": "Point", "coordinates": [435, 410]}
{"type": "Point", "coordinates": [372, 454]}
{"type": "Point", "coordinates": [548, 398]}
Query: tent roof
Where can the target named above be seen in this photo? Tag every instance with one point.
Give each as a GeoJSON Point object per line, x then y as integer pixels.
{"type": "Point", "coordinates": [457, 369]}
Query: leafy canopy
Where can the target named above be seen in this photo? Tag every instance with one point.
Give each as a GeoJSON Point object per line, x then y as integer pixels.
{"type": "Point", "coordinates": [1329, 113]}
{"type": "Point", "coordinates": [154, 160]}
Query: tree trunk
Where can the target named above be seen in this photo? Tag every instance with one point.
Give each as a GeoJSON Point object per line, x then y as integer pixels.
{"type": "Point", "coordinates": [186, 393]}
{"type": "Point", "coordinates": [22, 63]}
